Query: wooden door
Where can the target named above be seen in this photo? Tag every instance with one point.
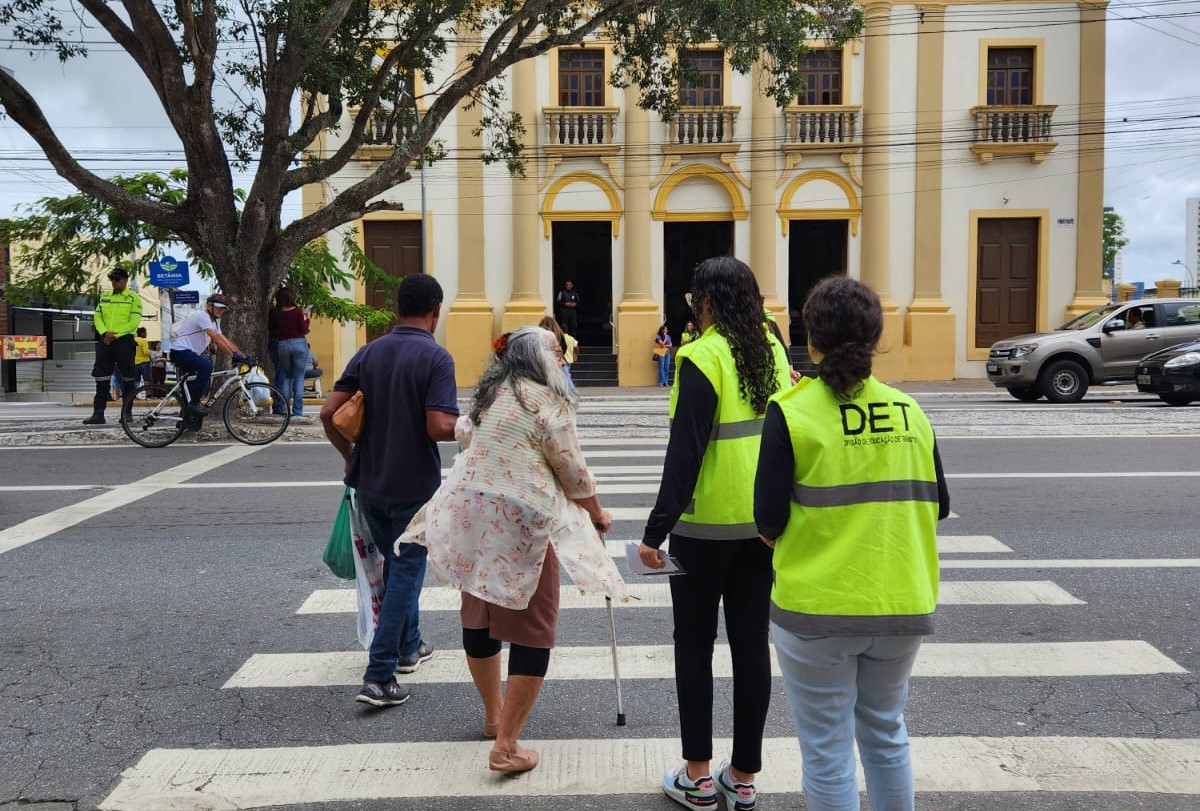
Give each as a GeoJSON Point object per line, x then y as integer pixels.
{"type": "Point", "coordinates": [1006, 292]}
{"type": "Point", "coordinates": [395, 246]}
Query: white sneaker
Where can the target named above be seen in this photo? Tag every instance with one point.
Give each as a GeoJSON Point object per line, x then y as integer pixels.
{"type": "Point", "coordinates": [738, 796]}
{"type": "Point", "coordinates": [699, 793]}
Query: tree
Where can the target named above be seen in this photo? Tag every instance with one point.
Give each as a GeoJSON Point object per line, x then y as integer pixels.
{"type": "Point", "coordinates": [1114, 241]}
{"type": "Point", "coordinates": [60, 242]}
{"type": "Point", "coordinates": [272, 58]}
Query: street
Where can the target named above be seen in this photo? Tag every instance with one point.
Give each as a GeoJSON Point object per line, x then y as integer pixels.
{"type": "Point", "coordinates": [170, 639]}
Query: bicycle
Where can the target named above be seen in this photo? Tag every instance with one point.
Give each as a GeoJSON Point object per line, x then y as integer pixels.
{"type": "Point", "coordinates": [154, 416]}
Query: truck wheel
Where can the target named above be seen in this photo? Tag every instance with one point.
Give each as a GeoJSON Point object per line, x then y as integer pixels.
{"type": "Point", "coordinates": [1063, 381]}
{"type": "Point", "coordinates": [1175, 399]}
{"type": "Point", "coordinates": [1026, 394]}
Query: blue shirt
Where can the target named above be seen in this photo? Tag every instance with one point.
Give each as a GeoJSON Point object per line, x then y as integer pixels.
{"type": "Point", "coordinates": [402, 375]}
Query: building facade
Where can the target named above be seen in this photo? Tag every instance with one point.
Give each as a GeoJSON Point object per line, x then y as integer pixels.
{"type": "Point", "coordinates": [950, 157]}
{"type": "Point", "coordinates": [1191, 244]}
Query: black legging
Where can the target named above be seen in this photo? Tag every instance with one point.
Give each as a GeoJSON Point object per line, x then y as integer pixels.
{"type": "Point", "coordinates": [522, 660]}
{"type": "Point", "coordinates": [740, 573]}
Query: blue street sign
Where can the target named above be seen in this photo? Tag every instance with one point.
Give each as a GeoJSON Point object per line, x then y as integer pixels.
{"type": "Point", "coordinates": [167, 272]}
{"type": "Point", "coordinates": [186, 296]}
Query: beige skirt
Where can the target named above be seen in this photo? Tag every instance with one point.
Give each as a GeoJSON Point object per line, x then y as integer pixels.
{"type": "Point", "coordinates": [533, 626]}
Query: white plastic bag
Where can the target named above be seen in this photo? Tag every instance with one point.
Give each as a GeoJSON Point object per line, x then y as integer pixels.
{"type": "Point", "coordinates": [256, 382]}
{"type": "Point", "coordinates": [368, 575]}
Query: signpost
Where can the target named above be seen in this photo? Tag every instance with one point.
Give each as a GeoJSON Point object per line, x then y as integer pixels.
{"type": "Point", "coordinates": [168, 272]}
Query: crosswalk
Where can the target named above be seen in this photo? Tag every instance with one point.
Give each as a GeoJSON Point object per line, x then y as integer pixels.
{"type": "Point", "coordinates": [207, 778]}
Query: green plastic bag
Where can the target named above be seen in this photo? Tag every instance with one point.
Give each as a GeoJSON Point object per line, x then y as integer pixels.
{"type": "Point", "coordinates": [339, 552]}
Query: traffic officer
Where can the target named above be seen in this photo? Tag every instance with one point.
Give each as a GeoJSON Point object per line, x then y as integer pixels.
{"type": "Point", "coordinates": [118, 314]}
{"type": "Point", "coordinates": [848, 492]}
{"type": "Point", "coordinates": [706, 502]}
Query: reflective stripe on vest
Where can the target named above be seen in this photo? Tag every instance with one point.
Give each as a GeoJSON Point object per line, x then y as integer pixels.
{"type": "Point", "coordinates": [844, 495]}
{"type": "Point", "coordinates": [737, 430]}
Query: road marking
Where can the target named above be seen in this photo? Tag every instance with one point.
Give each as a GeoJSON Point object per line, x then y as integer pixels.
{"type": "Point", "coordinates": [1077, 563]}
{"type": "Point", "coordinates": [254, 778]}
{"type": "Point", "coordinates": [50, 488]}
{"type": "Point", "coordinates": [937, 659]}
{"type": "Point", "coordinates": [1088, 474]}
{"type": "Point", "coordinates": [642, 513]}
{"type": "Point", "coordinates": [658, 595]}
{"type": "Point", "coordinates": [120, 496]}
{"type": "Point", "coordinates": [603, 441]}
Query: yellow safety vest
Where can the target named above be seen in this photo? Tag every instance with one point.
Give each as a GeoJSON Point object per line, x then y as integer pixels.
{"type": "Point", "coordinates": [118, 313]}
{"type": "Point", "coordinates": [861, 535]}
{"type": "Point", "coordinates": [722, 505]}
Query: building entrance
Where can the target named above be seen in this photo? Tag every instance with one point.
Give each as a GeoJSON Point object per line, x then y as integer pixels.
{"type": "Point", "coordinates": [1006, 292]}
{"type": "Point", "coordinates": [685, 245]}
{"type": "Point", "coordinates": [816, 249]}
{"type": "Point", "coordinates": [395, 247]}
{"type": "Point", "coordinates": [583, 255]}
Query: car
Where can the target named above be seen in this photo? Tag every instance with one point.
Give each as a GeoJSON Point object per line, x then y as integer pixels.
{"type": "Point", "coordinates": [1102, 346]}
{"type": "Point", "coordinates": [1172, 373]}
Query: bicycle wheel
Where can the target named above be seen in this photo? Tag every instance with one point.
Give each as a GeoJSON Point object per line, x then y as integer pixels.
{"type": "Point", "coordinates": [251, 422]}
{"type": "Point", "coordinates": [153, 416]}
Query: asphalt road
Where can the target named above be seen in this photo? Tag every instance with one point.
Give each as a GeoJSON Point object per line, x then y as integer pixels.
{"type": "Point", "coordinates": [128, 604]}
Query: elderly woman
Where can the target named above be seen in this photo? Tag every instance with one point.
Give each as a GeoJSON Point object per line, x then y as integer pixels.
{"type": "Point", "coordinates": [518, 503]}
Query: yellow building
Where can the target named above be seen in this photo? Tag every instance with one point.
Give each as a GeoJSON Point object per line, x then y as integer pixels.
{"type": "Point", "coordinates": [951, 158]}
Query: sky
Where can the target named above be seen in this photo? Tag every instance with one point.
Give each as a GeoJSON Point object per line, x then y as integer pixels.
{"type": "Point", "coordinates": [108, 115]}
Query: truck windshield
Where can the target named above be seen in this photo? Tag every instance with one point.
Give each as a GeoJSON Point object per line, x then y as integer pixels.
{"type": "Point", "coordinates": [1090, 317]}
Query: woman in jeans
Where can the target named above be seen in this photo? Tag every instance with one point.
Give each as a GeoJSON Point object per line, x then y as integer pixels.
{"type": "Point", "coordinates": [289, 323]}
{"type": "Point", "coordinates": [848, 493]}
{"type": "Point", "coordinates": [518, 502]}
{"type": "Point", "coordinates": [662, 351]}
{"type": "Point", "coordinates": [723, 379]}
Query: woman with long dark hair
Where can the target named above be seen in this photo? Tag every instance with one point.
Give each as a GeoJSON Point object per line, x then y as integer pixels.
{"type": "Point", "coordinates": [848, 493]}
{"type": "Point", "coordinates": [518, 502]}
{"type": "Point", "coordinates": [723, 380]}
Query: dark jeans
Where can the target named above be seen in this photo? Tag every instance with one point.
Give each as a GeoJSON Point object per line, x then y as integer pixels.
{"type": "Point", "coordinates": [187, 361]}
{"type": "Point", "coordinates": [398, 631]}
{"type": "Point", "coordinates": [119, 354]}
{"type": "Point", "coordinates": [738, 572]}
{"type": "Point", "coordinates": [570, 321]}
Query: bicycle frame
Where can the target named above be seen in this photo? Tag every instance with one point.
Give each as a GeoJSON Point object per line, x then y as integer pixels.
{"type": "Point", "coordinates": [181, 392]}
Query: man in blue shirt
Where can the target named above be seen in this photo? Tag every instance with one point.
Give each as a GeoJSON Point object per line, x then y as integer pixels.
{"type": "Point", "coordinates": [411, 403]}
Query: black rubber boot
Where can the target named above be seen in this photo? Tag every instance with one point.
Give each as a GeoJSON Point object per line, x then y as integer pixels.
{"type": "Point", "coordinates": [99, 403]}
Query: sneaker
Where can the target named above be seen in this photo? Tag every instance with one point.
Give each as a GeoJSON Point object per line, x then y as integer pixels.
{"type": "Point", "coordinates": [200, 410]}
{"type": "Point", "coordinates": [738, 796]}
{"type": "Point", "coordinates": [700, 793]}
{"type": "Point", "coordinates": [389, 694]}
{"type": "Point", "coordinates": [95, 419]}
{"type": "Point", "coordinates": [410, 663]}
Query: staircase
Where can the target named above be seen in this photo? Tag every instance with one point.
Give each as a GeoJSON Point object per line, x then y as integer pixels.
{"type": "Point", "coordinates": [801, 362]}
{"type": "Point", "coordinates": [597, 366]}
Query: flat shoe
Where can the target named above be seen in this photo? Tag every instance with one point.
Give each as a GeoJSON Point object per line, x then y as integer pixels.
{"type": "Point", "coordinates": [490, 730]}
{"type": "Point", "coordinates": [518, 760]}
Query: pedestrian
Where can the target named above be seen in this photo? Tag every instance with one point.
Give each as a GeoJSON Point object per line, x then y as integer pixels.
{"type": "Point", "coordinates": [518, 502]}
{"type": "Point", "coordinates": [289, 324]}
{"type": "Point", "coordinates": [853, 524]}
{"type": "Point", "coordinates": [141, 356]}
{"type": "Point", "coordinates": [662, 355]}
{"type": "Point", "coordinates": [118, 314]}
{"type": "Point", "coordinates": [568, 305]}
{"type": "Point", "coordinates": [689, 333]}
{"type": "Point", "coordinates": [158, 364]}
{"type": "Point", "coordinates": [706, 502]}
{"type": "Point", "coordinates": [411, 403]}
{"type": "Point", "coordinates": [565, 343]}
{"type": "Point", "coordinates": [189, 349]}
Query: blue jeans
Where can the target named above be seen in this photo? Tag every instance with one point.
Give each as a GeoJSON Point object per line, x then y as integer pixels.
{"type": "Point", "coordinates": [664, 366]}
{"type": "Point", "coordinates": [293, 357]}
{"type": "Point", "coordinates": [188, 361]}
{"type": "Point", "coordinates": [840, 689]}
{"type": "Point", "coordinates": [398, 631]}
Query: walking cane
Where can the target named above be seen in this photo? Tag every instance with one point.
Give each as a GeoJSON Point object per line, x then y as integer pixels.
{"type": "Point", "coordinates": [612, 635]}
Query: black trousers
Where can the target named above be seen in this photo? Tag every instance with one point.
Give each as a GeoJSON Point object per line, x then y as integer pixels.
{"type": "Point", "coordinates": [738, 573]}
{"type": "Point", "coordinates": [570, 321]}
{"type": "Point", "coordinates": [118, 354]}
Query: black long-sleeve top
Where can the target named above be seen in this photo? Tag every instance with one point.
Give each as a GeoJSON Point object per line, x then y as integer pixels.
{"type": "Point", "coordinates": [695, 413]}
{"type": "Point", "coordinates": [773, 492]}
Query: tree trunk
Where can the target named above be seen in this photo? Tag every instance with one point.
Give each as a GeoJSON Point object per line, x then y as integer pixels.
{"type": "Point", "coordinates": [250, 289]}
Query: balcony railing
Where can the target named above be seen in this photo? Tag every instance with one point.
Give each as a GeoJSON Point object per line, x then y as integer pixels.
{"type": "Point", "coordinates": [580, 126]}
{"type": "Point", "coordinates": [702, 125]}
{"type": "Point", "coordinates": [1013, 130]}
{"type": "Point", "coordinates": [822, 126]}
{"type": "Point", "coordinates": [376, 133]}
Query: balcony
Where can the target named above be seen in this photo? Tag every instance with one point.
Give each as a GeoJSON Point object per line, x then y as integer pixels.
{"type": "Point", "coordinates": [702, 129]}
{"type": "Point", "coordinates": [821, 129]}
{"type": "Point", "coordinates": [378, 142]}
{"type": "Point", "coordinates": [1023, 130]}
{"type": "Point", "coordinates": [581, 131]}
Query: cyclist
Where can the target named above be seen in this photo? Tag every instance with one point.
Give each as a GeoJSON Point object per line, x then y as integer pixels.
{"type": "Point", "coordinates": [192, 340]}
